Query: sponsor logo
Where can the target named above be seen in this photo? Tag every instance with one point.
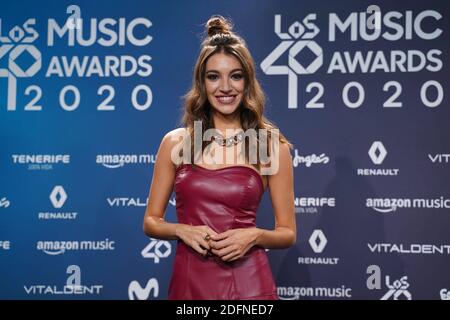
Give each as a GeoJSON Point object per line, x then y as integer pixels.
{"type": "Point", "coordinates": [309, 160]}
{"type": "Point", "coordinates": [60, 247]}
{"type": "Point", "coordinates": [397, 290]}
{"type": "Point", "coordinates": [136, 292]}
{"type": "Point", "coordinates": [415, 248]}
{"type": "Point", "coordinates": [386, 205]}
{"type": "Point", "coordinates": [5, 245]}
{"type": "Point", "coordinates": [58, 198]}
{"type": "Point", "coordinates": [377, 153]}
{"type": "Point", "coordinates": [127, 202]}
{"type": "Point", "coordinates": [57, 215]}
{"type": "Point", "coordinates": [439, 158]}
{"type": "Point", "coordinates": [295, 293]}
{"type": "Point", "coordinates": [40, 161]}
{"type": "Point", "coordinates": [73, 286]}
{"type": "Point", "coordinates": [4, 203]}
{"type": "Point", "coordinates": [318, 242]}
{"type": "Point", "coordinates": [156, 250]}
{"type": "Point", "coordinates": [132, 202]}
{"type": "Point", "coordinates": [444, 294]}
{"type": "Point", "coordinates": [114, 161]}
{"type": "Point", "coordinates": [312, 205]}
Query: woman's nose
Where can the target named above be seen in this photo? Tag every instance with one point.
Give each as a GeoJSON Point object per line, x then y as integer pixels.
{"type": "Point", "coordinates": [225, 86]}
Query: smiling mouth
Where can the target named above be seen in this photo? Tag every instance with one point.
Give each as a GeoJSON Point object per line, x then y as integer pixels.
{"type": "Point", "coordinates": [226, 99]}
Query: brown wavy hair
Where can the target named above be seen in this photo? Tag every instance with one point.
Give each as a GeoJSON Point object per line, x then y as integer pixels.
{"type": "Point", "coordinates": [220, 38]}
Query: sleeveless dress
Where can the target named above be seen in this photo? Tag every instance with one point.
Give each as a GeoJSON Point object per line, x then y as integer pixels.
{"type": "Point", "coordinates": [223, 199]}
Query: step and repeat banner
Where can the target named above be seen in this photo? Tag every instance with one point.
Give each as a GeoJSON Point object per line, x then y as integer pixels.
{"type": "Point", "coordinates": [89, 88]}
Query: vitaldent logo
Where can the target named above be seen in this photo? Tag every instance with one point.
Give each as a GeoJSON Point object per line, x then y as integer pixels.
{"type": "Point", "coordinates": [388, 205]}
{"type": "Point", "coordinates": [318, 242]}
{"type": "Point", "coordinates": [397, 290]}
{"type": "Point", "coordinates": [73, 286]}
{"type": "Point", "coordinates": [439, 158]}
{"type": "Point", "coordinates": [132, 202]}
{"type": "Point", "coordinates": [415, 248]}
{"type": "Point", "coordinates": [114, 161]}
{"type": "Point", "coordinates": [312, 205]}
{"type": "Point", "coordinates": [40, 161]}
{"type": "Point", "coordinates": [377, 153]}
{"type": "Point", "coordinates": [54, 248]}
{"type": "Point", "coordinates": [136, 292]}
{"type": "Point", "coordinates": [156, 250]}
{"type": "Point", "coordinates": [4, 202]}
{"type": "Point", "coordinates": [58, 198]}
{"type": "Point", "coordinates": [295, 293]}
{"type": "Point", "coordinates": [309, 160]}
{"type": "Point", "coordinates": [127, 202]}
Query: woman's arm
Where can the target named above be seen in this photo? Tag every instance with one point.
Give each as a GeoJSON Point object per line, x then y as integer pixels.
{"type": "Point", "coordinates": [160, 190]}
{"type": "Point", "coordinates": [281, 187]}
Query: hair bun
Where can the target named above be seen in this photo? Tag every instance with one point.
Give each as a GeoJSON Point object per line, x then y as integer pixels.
{"type": "Point", "coordinates": [218, 24]}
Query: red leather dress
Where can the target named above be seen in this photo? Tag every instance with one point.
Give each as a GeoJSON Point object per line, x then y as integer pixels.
{"type": "Point", "coordinates": [222, 199]}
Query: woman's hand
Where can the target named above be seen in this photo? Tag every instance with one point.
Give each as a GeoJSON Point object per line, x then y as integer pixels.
{"type": "Point", "coordinates": [194, 237]}
{"type": "Point", "coordinates": [233, 244]}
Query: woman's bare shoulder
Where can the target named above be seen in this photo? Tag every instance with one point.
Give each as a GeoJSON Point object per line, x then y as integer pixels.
{"type": "Point", "coordinates": [174, 136]}
{"type": "Point", "coordinates": [180, 130]}
{"type": "Point", "coordinates": [171, 145]}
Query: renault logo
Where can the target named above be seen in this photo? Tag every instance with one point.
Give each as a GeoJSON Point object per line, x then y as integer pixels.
{"type": "Point", "coordinates": [317, 241]}
{"type": "Point", "coordinates": [58, 196]}
{"type": "Point", "coordinates": [377, 152]}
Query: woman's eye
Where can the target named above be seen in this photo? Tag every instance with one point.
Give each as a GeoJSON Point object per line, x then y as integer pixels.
{"type": "Point", "coordinates": [211, 77]}
{"type": "Point", "coordinates": [237, 76]}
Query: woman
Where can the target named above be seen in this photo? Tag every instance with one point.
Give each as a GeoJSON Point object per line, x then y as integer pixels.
{"type": "Point", "coordinates": [220, 252]}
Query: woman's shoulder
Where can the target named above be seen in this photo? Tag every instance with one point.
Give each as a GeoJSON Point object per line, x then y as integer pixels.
{"type": "Point", "coordinates": [182, 131]}
{"type": "Point", "coordinates": [172, 143]}
{"type": "Point", "coordinates": [174, 136]}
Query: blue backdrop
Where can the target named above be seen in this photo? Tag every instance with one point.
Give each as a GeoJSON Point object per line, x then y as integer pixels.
{"type": "Point", "coordinates": [359, 87]}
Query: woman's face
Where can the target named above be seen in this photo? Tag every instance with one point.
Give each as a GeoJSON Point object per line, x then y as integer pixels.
{"type": "Point", "coordinates": [224, 82]}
